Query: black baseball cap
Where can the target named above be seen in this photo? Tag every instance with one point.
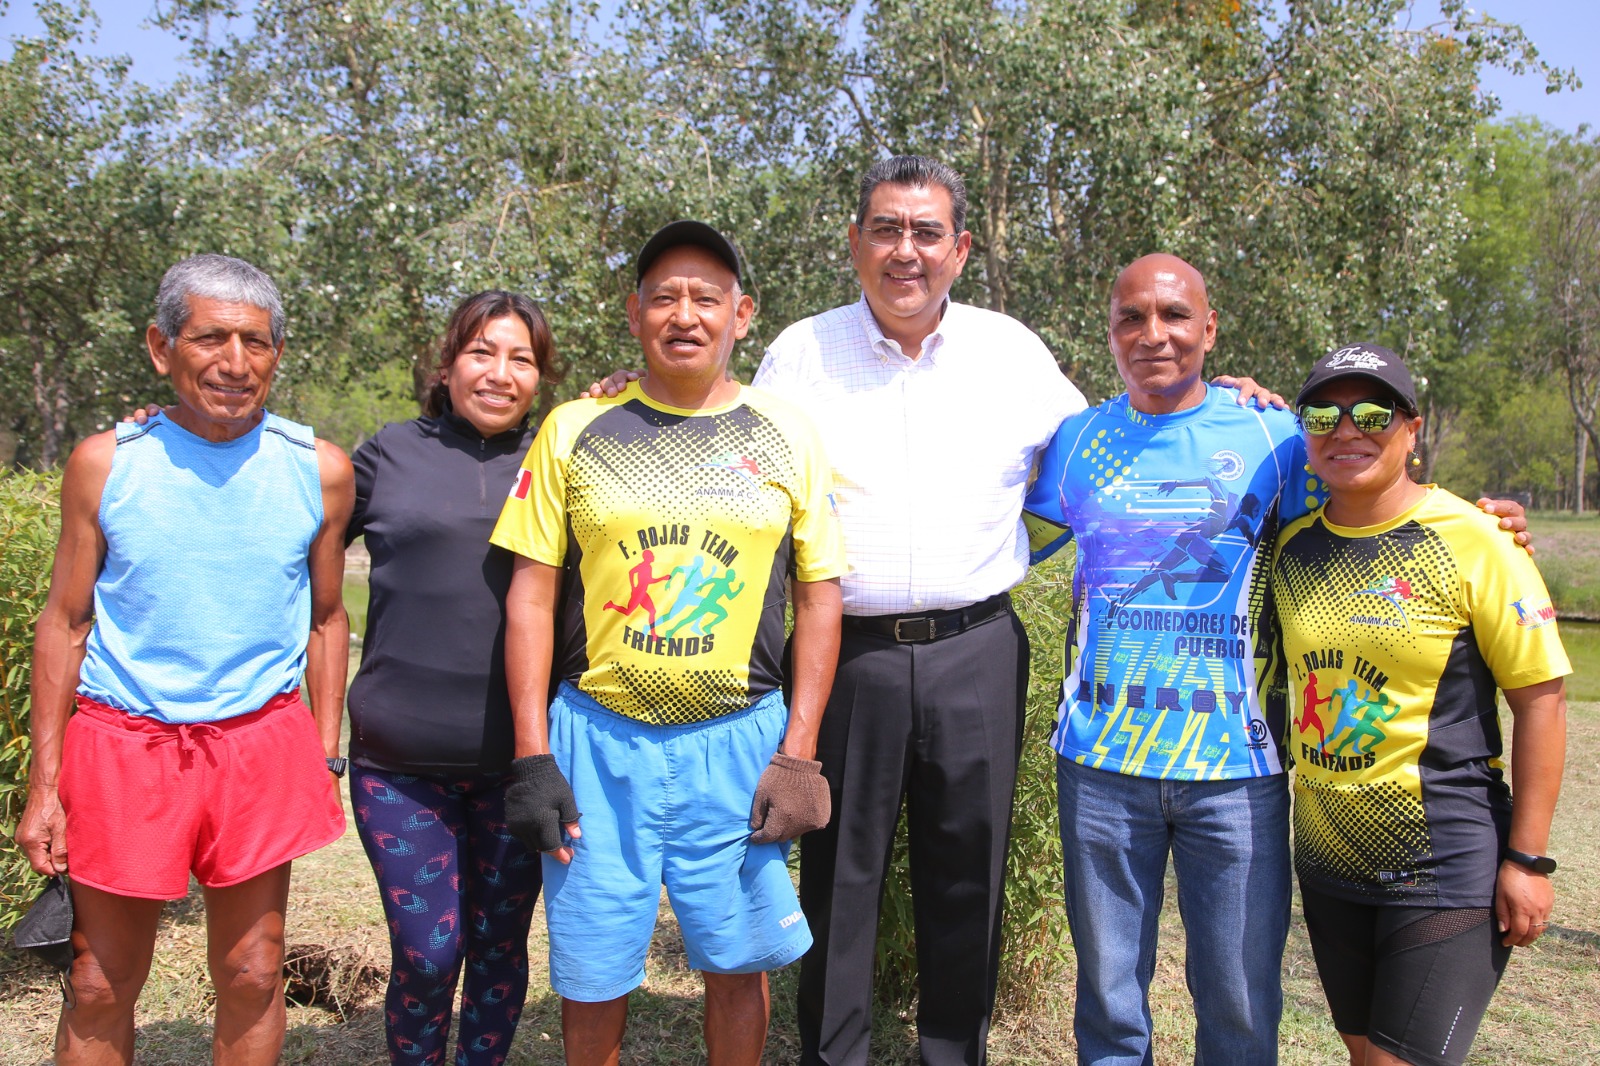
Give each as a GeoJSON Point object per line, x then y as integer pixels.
{"type": "Point", "coordinates": [686, 231]}
{"type": "Point", "coordinates": [1371, 361]}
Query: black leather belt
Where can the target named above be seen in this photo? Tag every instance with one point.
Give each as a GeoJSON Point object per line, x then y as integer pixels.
{"type": "Point", "coordinates": [933, 625]}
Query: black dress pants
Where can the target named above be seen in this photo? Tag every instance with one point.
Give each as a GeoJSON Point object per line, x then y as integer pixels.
{"type": "Point", "coordinates": [938, 725]}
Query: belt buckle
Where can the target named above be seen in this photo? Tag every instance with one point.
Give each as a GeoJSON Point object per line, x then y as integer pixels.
{"type": "Point", "coordinates": [929, 630]}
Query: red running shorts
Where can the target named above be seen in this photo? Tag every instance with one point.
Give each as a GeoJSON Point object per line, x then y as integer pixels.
{"type": "Point", "coordinates": [147, 803]}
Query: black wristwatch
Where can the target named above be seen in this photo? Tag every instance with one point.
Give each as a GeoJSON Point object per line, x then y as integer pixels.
{"type": "Point", "coordinates": [1539, 864]}
{"type": "Point", "coordinates": [338, 765]}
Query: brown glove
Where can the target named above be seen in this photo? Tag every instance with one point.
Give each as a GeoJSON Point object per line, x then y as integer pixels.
{"type": "Point", "coordinates": [791, 798]}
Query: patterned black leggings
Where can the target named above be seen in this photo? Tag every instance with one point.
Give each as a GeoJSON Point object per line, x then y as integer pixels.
{"type": "Point", "coordinates": [456, 886]}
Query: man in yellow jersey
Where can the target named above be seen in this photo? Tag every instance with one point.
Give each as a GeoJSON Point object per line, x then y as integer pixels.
{"type": "Point", "coordinates": [673, 741]}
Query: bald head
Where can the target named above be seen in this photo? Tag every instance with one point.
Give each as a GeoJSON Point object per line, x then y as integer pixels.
{"type": "Point", "coordinates": [1162, 265]}
{"type": "Point", "coordinates": [1162, 326]}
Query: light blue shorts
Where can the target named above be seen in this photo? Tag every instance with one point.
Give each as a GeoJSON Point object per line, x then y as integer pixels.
{"type": "Point", "coordinates": [665, 805]}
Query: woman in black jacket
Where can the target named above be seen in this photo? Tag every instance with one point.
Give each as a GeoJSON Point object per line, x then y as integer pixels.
{"type": "Point", "coordinates": [430, 721]}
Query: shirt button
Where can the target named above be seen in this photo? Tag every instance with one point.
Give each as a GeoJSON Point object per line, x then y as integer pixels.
{"type": "Point", "coordinates": [916, 603]}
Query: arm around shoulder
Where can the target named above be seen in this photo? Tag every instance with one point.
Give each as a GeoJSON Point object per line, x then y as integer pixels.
{"type": "Point", "coordinates": [1513, 519]}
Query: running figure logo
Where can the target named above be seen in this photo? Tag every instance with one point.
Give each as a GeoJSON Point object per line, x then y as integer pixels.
{"type": "Point", "coordinates": [1309, 716]}
{"type": "Point", "coordinates": [1361, 715]}
{"type": "Point", "coordinates": [1193, 556]}
{"type": "Point", "coordinates": [640, 578]}
{"type": "Point", "coordinates": [746, 467]}
{"type": "Point", "coordinates": [698, 604]}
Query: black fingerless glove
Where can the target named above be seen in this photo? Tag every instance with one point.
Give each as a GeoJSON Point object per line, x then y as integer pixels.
{"type": "Point", "coordinates": [539, 802]}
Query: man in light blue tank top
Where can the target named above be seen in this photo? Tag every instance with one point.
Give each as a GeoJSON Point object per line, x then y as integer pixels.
{"type": "Point", "coordinates": [196, 579]}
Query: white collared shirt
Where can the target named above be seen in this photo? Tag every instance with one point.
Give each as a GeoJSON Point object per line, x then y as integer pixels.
{"type": "Point", "coordinates": [930, 456]}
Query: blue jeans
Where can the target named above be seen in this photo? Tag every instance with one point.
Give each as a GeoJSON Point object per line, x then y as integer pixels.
{"type": "Point", "coordinates": [1230, 847]}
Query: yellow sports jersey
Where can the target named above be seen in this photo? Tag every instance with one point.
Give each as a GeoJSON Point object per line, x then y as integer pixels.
{"type": "Point", "coordinates": [1396, 637]}
{"type": "Point", "coordinates": [678, 530]}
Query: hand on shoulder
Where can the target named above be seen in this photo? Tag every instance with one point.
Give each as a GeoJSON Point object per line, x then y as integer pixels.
{"type": "Point", "coordinates": [1513, 519]}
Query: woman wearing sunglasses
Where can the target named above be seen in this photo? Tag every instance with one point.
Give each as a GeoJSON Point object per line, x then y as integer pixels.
{"type": "Point", "coordinates": [1403, 609]}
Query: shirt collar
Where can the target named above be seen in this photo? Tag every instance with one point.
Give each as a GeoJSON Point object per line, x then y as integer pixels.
{"type": "Point", "coordinates": [885, 349]}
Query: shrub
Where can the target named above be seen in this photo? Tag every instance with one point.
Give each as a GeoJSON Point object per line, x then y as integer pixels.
{"type": "Point", "coordinates": [29, 518]}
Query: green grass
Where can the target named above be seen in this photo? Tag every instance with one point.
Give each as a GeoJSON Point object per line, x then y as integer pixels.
{"type": "Point", "coordinates": [355, 604]}
{"type": "Point", "coordinates": [1567, 549]}
{"type": "Point", "coordinates": [1582, 641]}
{"type": "Point", "coordinates": [356, 566]}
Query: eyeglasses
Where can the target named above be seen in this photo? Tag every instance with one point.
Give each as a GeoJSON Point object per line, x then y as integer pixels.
{"type": "Point", "coordinates": [890, 236]}
{"type": "Point", "coordinates": [1369, 416]}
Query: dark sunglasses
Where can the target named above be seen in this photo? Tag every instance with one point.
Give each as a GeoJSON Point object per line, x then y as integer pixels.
{"type": "Point", "coordinates": [1369, 416]}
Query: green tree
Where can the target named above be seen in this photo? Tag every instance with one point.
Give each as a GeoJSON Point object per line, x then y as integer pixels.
{"type": "Point", "coordinates": [415, 151]}
{"type": "Point", "coordinates": [1518, 440]}
{"type": "Point", "coordinates": [88, 212]}
{"type": "Point", "coordinates": [1567, 280]}
{"type": "Point", "coordinates": [1306, 156]}
{"type": "Point", "coordinates": [1481, 349]}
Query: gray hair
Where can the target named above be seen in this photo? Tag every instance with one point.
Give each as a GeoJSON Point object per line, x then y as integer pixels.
{"type": "Point", "coordinates": [919, 172]}
{"type": "Point", "coordinates": [215, 277]}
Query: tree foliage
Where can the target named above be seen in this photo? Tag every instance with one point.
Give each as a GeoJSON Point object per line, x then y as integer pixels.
{"type": "Point", "coordinates": [1305, 156]}
{"type": "Point", "coordinates": [1567, 280]}
{"type": "Point", "coordinates": [405, 164]}
{"type": "Point", "coordinates": [1517, 325]}
{"type": "Point", "coordinates": [1481, 338]}
{"type": "Point", "coordinates": [87, 217]}
{"type": "Point", "coordinates": [384, 157]}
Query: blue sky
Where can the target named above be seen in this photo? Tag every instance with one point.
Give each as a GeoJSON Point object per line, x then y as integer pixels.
{"type": "Point", "coordinates": [1565, 31]}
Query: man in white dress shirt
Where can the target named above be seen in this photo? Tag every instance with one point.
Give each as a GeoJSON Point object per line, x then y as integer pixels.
{"type": "Point", "coordinates": [932, 413]}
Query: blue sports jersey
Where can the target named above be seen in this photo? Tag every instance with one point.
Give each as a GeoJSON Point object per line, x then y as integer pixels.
{"type": "Point", "coordinates": [1172, 656]}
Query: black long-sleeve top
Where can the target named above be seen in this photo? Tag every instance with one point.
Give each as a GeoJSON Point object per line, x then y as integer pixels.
{"type": "Point", "coordinates": [430, 696]}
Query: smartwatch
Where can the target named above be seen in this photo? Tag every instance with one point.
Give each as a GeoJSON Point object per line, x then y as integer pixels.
{"type": "Point", "coordinates": [337, 767]}
{"type": "Point", "coordinates": [1539, 864]}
